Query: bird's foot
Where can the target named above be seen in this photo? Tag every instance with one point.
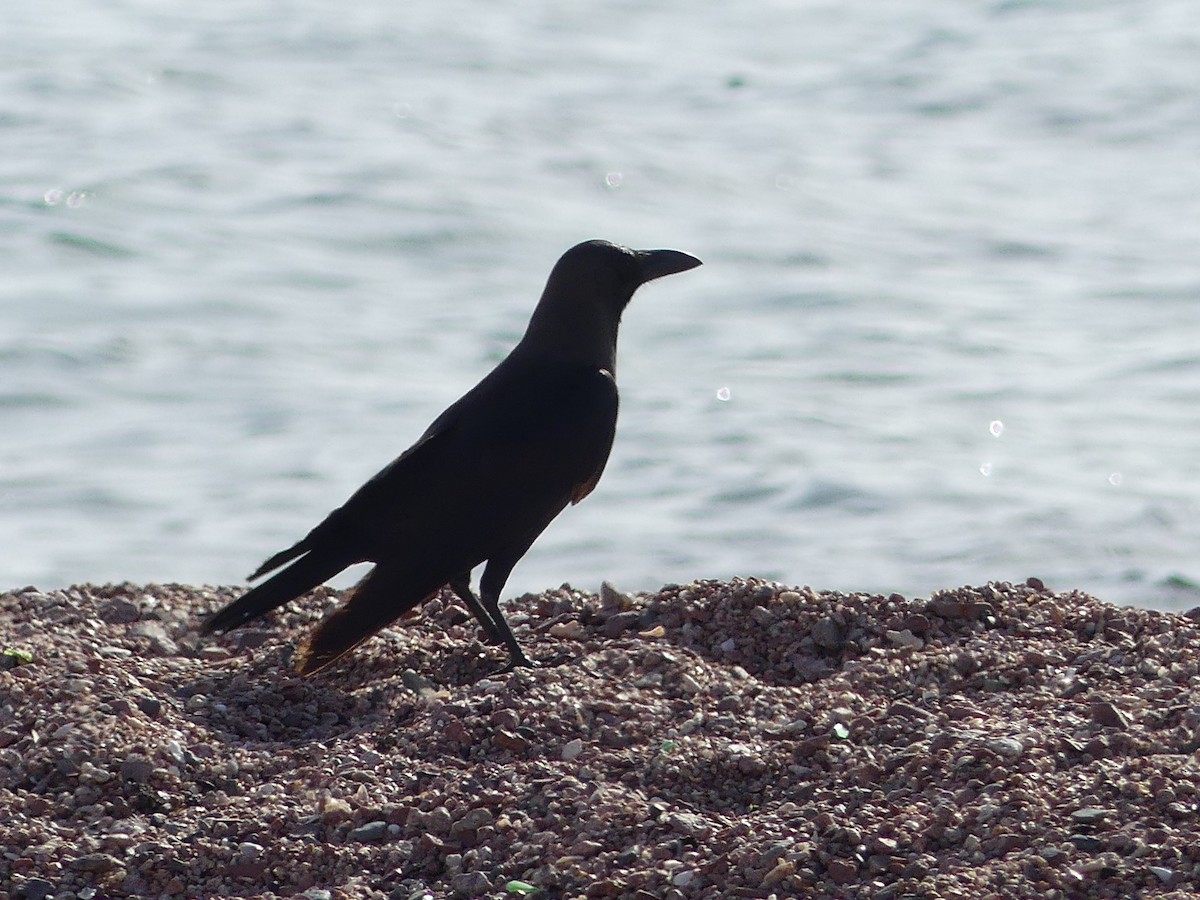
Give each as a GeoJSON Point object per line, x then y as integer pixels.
{"type": "Point", "coordinates": [518, 661]}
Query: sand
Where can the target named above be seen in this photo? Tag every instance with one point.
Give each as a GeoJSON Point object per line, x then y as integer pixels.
{"type": "Point", "coordinates": [741, 739]}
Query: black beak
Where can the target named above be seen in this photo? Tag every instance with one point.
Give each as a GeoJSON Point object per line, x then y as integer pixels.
{"type": "Point", "coordinates": [657, 263]}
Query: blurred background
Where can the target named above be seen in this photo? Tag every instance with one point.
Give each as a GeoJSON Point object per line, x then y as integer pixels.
{"type": "Point", "coordinates": [946, 330]}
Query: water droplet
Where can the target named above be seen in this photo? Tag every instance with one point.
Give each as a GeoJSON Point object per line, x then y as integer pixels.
{"type": "Point", "coordinates": [401, 110]}
{"type": "Point", "coordinates": [613, 180]}
{"type": "Point", "coordinates": [723, 394]}
{"type": "Point", "coordinates": [1115, 479]}
{"type": "Point", "coordinates": [53, 197]}
{"type": "Point", "coordinates": [996, 427]}
{"type": "Point", "coordinates": [76, 199]}
{"type": "Point", "coordinates": [986, 469]}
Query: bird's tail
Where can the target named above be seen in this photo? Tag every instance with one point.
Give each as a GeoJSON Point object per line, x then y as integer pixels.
{"type": "Point", "coordinates": [300, 577]}
{"type": "Point", "coordinates": [379, 599]}
{"type": "Point", "coordinates": [285, 556]}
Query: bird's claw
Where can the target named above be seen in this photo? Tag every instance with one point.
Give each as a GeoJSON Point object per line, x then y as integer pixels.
{"type": "Point", "coordinates": [518, 661]}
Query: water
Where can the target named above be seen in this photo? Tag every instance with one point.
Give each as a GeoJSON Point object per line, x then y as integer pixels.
{"type": "Point", "coordinates": [945, 330]}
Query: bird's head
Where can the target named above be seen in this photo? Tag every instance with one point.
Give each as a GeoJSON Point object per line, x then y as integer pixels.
{"type": "Point", "coordinates": [588, 289]}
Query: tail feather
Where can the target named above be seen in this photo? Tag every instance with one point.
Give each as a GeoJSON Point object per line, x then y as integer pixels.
{"type": "Point", "coordinates": [297, 579]}
{"type": "Point", "coordinates": [378, 600]}
{"type": "Point", "coordinates": [283, 556]}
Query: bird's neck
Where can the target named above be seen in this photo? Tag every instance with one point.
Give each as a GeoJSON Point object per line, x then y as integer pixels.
{"type": "Point", "coordinates": [577, 335]}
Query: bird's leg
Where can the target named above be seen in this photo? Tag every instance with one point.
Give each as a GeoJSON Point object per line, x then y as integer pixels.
{"type": "Point", "coordinates": [490, 586]}
{"type": "Point", "coordinates": [461, 585]}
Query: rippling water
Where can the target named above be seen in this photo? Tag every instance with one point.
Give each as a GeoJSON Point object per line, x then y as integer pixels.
{"type": "Point", "coordinates": [945, 333]}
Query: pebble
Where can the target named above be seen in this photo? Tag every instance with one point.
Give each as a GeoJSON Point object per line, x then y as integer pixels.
{"type": "Point", "coordinates": [151, 706]}
{"type": "Point", "coordinates": [780, 871]}
{"type": "Point", "coordinates": [136, 769]}
{"type": "Point", "coordinates": [94, 862]}
{"type": "Point", "coordinates": [1163, 874]}
{"type": "Point", "coordinates": [828, 634]}
{"type": "Point", "coordinates": [1104, 713]}
{"type": "Point", "coordinates": [35, 889]}
{"type": "Point", "coordinates": [611, 597]}
{"type": "Point", "coordinates": [470, 884]}
{"type": "Point", "coordinates": [615, 625]}
{"type": "Point", "coordinates": [571, 749]}
{"type": "Point", "coordinates": [683, 878]}
{"type": "Point", "coordinates": [572, 629]}
{"type": "Point", "coordinates": [372, 831]}
{"type": "Point", "coordinates": [873, 772]}
{"type": "Point", "coordinates": [1090, 815]}
{"type": "Point", "coordinates": [905, 638]}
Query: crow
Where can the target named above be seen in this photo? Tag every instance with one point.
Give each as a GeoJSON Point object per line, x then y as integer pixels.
{"type": "Point", "coordinates": [485, 479]}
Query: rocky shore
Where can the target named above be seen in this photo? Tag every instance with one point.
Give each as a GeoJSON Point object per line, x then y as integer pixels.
{"type": "Point", "coordinates": [741, 739]}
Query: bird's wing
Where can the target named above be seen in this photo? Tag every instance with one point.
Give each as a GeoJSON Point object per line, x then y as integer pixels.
{"type": "Point", "coordinates": [527, 434]}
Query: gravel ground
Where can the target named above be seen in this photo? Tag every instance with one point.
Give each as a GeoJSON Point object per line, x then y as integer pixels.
{"type": "Point", "coordinates": [739, 739]}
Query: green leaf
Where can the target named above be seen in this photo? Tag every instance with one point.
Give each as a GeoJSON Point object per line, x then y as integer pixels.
{"type": "Point", "coordinates": [21, 656]}
{"type": "Point", "coordinates": [520, 887]}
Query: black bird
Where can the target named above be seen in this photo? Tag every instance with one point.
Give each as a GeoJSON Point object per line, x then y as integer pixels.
{"type": "Point", "coordinates": [485, 478]}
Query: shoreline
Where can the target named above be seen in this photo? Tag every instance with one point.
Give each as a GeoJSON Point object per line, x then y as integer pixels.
{"type": "Point", "coordinates": [707, 740]}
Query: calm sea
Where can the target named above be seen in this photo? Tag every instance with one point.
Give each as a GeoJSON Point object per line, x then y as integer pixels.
{"type": "Point", "coordinates": [947, 330]}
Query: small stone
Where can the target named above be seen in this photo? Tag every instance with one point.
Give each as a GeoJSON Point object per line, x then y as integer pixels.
{"type": "Point", "coordinates": [93, 774]}
{"type": "Point", "coordinates": [1163, 874]}
{"type": "Point", "coordinates": [611, 597]}
{"type": "Point", "coordinates": [683, 878]}
{"type": "Point", "coordinates": [782, 870]}
{"type": "Point", "coordinates": [417, 683]}
{"type": "Point", "coordinates": [1005, 746]}
{"type": "Point", "coordinates": [585, 848]}
{"type": "Point", "coordinates": [470, 884]}
{"type": "Point", "coordinates": [883, 845]}
{"type": "Point", "coordinates": [828, 634]}
{"type": "Point", "coordinates": [905, 638]}
{"type": "Point", "coordinates": [35, 889]}
{"type": "Point", "coordinates": [842, 871]}
{"type": "Point", "coordinates": [136, 769]}
{"type": "Point", "coordinates": [335, 810]}
{"type": "Point", "coordinates": [119, 612]}
{"type": "Point", "coordinates": [371, 832]}
{"type": "Point", "coordinates": [151, 706]}
{"type": "Point", "coordinates": [571, 749]}
{"type": "Point", "coordinates": [1104, 713]}
{"type": "Point", "coordinates": [94, 862]}
{"type": "Point", "coordinates": [250, 851]}
{"type": "Point", "coordinates": [1087, 843]}
{"type": "Point", "coordinates": [156, 633]}
{"type": "Point", "coordinates": [1090, 815]}
{"type": "Point", "coordinates": [507, 740]}
{"type": "Point", "coordinates": [690, 824]}
{"type": "Point", "coordinates": [620, 622]}
{"type": "Point", "coordinates": [438, 820]}
{"type": "Point", "coordinates": [917, 623]}
{"type": "Point", "coordinates": [473, 820]}
{"type": "Point", "coordinates": [250, 638]}
{"type": "Point", "coordinates": [572, 629]}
